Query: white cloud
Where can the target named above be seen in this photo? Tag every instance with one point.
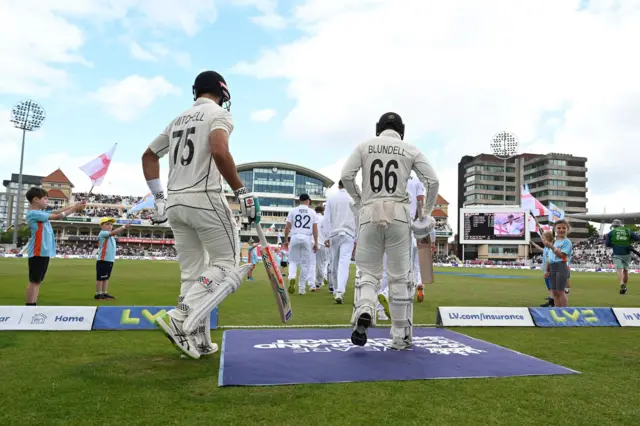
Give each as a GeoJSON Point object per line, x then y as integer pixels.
{"type": "Point", "coordinates": [269, 18]}
{"type": "Point", "coordinates": [263, 115]}
{"type": "Point", "coordinates": [138, 52]}
{"type": "Point", "coordinates": [129, 97]}
{"type": "Point", "coordinates": [154, 52]}
{"type": "Point", "coordinates": [35, 61]}
{"type": "Point", "coordinates": [459, 71]}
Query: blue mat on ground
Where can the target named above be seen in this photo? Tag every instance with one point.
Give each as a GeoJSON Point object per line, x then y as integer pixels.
{"type": "Point", "coordinates": [293, 356]}
{"type": "Point", "coordinates": [482, 275]}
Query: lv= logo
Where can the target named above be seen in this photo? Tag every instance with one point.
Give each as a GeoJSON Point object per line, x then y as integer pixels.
{"type": "Point", "coordinates": [126, 317]}
{"type": "Point", "coordinates": [574, 315]}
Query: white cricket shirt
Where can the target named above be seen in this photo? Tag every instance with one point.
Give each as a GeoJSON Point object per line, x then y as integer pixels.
{"type": "Point", "coordinates": [338, 215]}
{"type": "Point", "coordinates": [302, 219]}
{"type": "Point", "coordinates": [386, 162]}
{"type": "Point", "coordinates": [415, 188]}
{"type": "Point", "coordinates": [186, 140]}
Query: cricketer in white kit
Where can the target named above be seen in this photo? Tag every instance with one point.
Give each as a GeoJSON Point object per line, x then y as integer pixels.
{"type": "Point", "coordinates": [322, 256]}
{"type": "Point", "coordinates": [302, 224]}
{"type": "Point", "coordinates": [205, 232]}
{"type": "Point", "coordinates": [340, 232]}
{"type": "Point", "coordinates": [385, 225]}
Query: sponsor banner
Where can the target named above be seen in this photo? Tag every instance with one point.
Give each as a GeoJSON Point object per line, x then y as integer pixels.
{"type": "Point", "coordinates": [628, 317]}
{"type": "Point", "coordinates": [77, 219]}
{"type": "Point", "coordinates": [53, 318]}
{"type": "Point", "coordinates": [464, 316]}
{"type": "Point", "coordinates": [574, 317]}
{"type": "Point", "coordinates": [144, 240]}
{"type": "Point", "coordinates": [129, 221]}
{"type": "Point", "coordinates": [135, 317]}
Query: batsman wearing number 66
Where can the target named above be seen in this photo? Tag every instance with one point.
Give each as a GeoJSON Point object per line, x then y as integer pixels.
{"type": "Point", "coordinates": [384, 225]}
{"type": "Point", "coordinates": [206, 239]}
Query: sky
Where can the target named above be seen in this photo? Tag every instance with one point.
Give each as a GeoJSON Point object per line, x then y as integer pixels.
{"type": "Point", "coordinates": [310, 78]}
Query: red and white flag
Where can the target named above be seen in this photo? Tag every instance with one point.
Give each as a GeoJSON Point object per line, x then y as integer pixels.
{"type": "Point", "coordinates": [97, 169]}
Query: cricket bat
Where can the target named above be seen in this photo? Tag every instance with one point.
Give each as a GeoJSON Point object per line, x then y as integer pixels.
{"type": "Point", "coordinates": [425, 258]}
{"type": "Point", "coordinates": [275, 277]}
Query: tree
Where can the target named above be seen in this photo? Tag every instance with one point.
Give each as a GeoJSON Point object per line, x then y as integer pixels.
{"type": "Point", "coordinates": [23, 236]}
{"type": "Point", "coordinates": [593, 231]}
{"type": "Point", "coordinates": [633, 228]}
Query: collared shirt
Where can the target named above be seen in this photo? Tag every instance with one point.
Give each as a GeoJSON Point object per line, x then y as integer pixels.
{"type": "Point", "coordinates": [386, 163]}
{"type": "Point", "coordinates": [338, 215]}
{"type": "Point", "coordinates": [186, 140]}
{"type": "Point", "coordinates": [106, 247]}
{"type": "Point", "coordinates": [43, 241]}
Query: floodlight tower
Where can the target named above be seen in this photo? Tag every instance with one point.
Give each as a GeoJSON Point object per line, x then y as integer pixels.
{"type": "Point", "coordinates": [27, 116]}
{"type": "Point", "coordinates": [504, 145]}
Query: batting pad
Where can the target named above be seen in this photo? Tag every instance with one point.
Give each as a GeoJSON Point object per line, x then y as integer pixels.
{"type": "Point", "coordinates": [295, 356]}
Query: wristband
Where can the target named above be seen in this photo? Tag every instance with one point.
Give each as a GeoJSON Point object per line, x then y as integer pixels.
{"type": "Point", "coordinates": [240, 191]}
{"type": "Point", "coordinates": [155, 186]}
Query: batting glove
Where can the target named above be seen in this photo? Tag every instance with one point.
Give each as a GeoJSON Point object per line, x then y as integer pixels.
{"type": "Point", "coordinates": [249, 205]}
{"type": "Point", "coordinates": [422, 228]}
{"type": "Point", "coordinates": [160, 209]}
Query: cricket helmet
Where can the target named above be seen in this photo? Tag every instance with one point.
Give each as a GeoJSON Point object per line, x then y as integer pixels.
{"type": "Point", "coordinates": [214, 83]}
{"type": "Point", "coordinates": [390, 120]}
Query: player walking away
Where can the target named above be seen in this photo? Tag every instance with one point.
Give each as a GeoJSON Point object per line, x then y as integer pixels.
{"type": "Point", "coordinates": [385, 225]}
{"type": "Point", "coordinates": [557, 271]}
{"type": "Point", "coordinates": [284, 260]}
{"type": "Point", "coordinates": [302, 223]}
{"type": "Point", "coordinates": [340, 231]}
{"type": "Point", "coordinates": [42, 244]}
{"type": "Point", "coordinates": [197, 142]}
{"type": "Point", "coordinates": [546, 236]}
{"type": "Point", "coordinates": [322, 256]}
{"type": "Point", "coordinates": [619, 239]}
{"type": "Point", "coordinates": [252, 257]}
{"type": "Point", "coordinates": [106, 256]}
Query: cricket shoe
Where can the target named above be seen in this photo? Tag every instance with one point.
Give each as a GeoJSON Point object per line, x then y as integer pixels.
{"type": "Point", "coordinates": [550, 303]}
{"type": "Point", "coordinates": [172, 328]}
{"type": "Point", "coordinates": [107, 296]}
{"type": "Point", "coordinates": [420, 292]}
{"type": "Point", "coordinates": [401, 344]}
{"type": "Point", "coordinates": [339, 298]}
{"type": "Point", "coordinates": [292, 286]}
{"type": "Point", "coordinates": [359, 333]}
{"type": "Point", "coordinates": [623, 289]}
{"type": "Point", "coordinates": [330, 290]}
{"type": "Point", "coordinates": [385, 304]}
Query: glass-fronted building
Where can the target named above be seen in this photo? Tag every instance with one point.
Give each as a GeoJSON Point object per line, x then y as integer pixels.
{"type": "Point", "coordinates": [277, 186]}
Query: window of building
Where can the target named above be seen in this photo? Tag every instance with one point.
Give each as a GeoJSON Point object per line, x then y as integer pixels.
{"type": "Point", "coordinates": [504, 250]}
{"type": "Point", "coordinates": [309, 185]}
{"type": "Point", "coordinates": [275, 202]}
{"type": "Point", "coordinates": [557, 162]}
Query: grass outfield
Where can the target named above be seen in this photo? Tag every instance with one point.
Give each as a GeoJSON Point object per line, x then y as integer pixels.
{"type": "Point", "coordinates": [136, 377]}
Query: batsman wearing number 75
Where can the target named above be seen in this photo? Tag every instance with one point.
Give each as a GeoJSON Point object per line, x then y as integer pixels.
{"type": "Point", "coordinates": [385, 225]}
{"type": "Point", "coordinates": [206, 239]}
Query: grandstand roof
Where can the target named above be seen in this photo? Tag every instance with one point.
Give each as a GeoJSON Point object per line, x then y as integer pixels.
{"type": "Point", "coordinates": [626, 218]}
{"type": "Point", "coordinates": [298, 169]}
{"type": "Point", "coordinates": [441, 200]}
{"type": "Point", "coordinates": [57, 176]}
{"type": "Point", "coordinates": [56, 194]}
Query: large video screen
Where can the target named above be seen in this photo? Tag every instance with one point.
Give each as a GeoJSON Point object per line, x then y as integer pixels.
{"type": "Point", "coordinates": [486, 227]}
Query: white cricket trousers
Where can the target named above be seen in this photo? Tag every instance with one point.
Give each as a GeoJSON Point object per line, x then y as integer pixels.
{"type": "Point", "coordinates": [322, 261]}
{"type": "Point", "coordinates": [301, 253]}
{"type": "Point", "coordinates": [341, 249]}
{"type": "Point", "coordinates": [205, 233]}
{"type": "Point", "coordinates": [384, 283]}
